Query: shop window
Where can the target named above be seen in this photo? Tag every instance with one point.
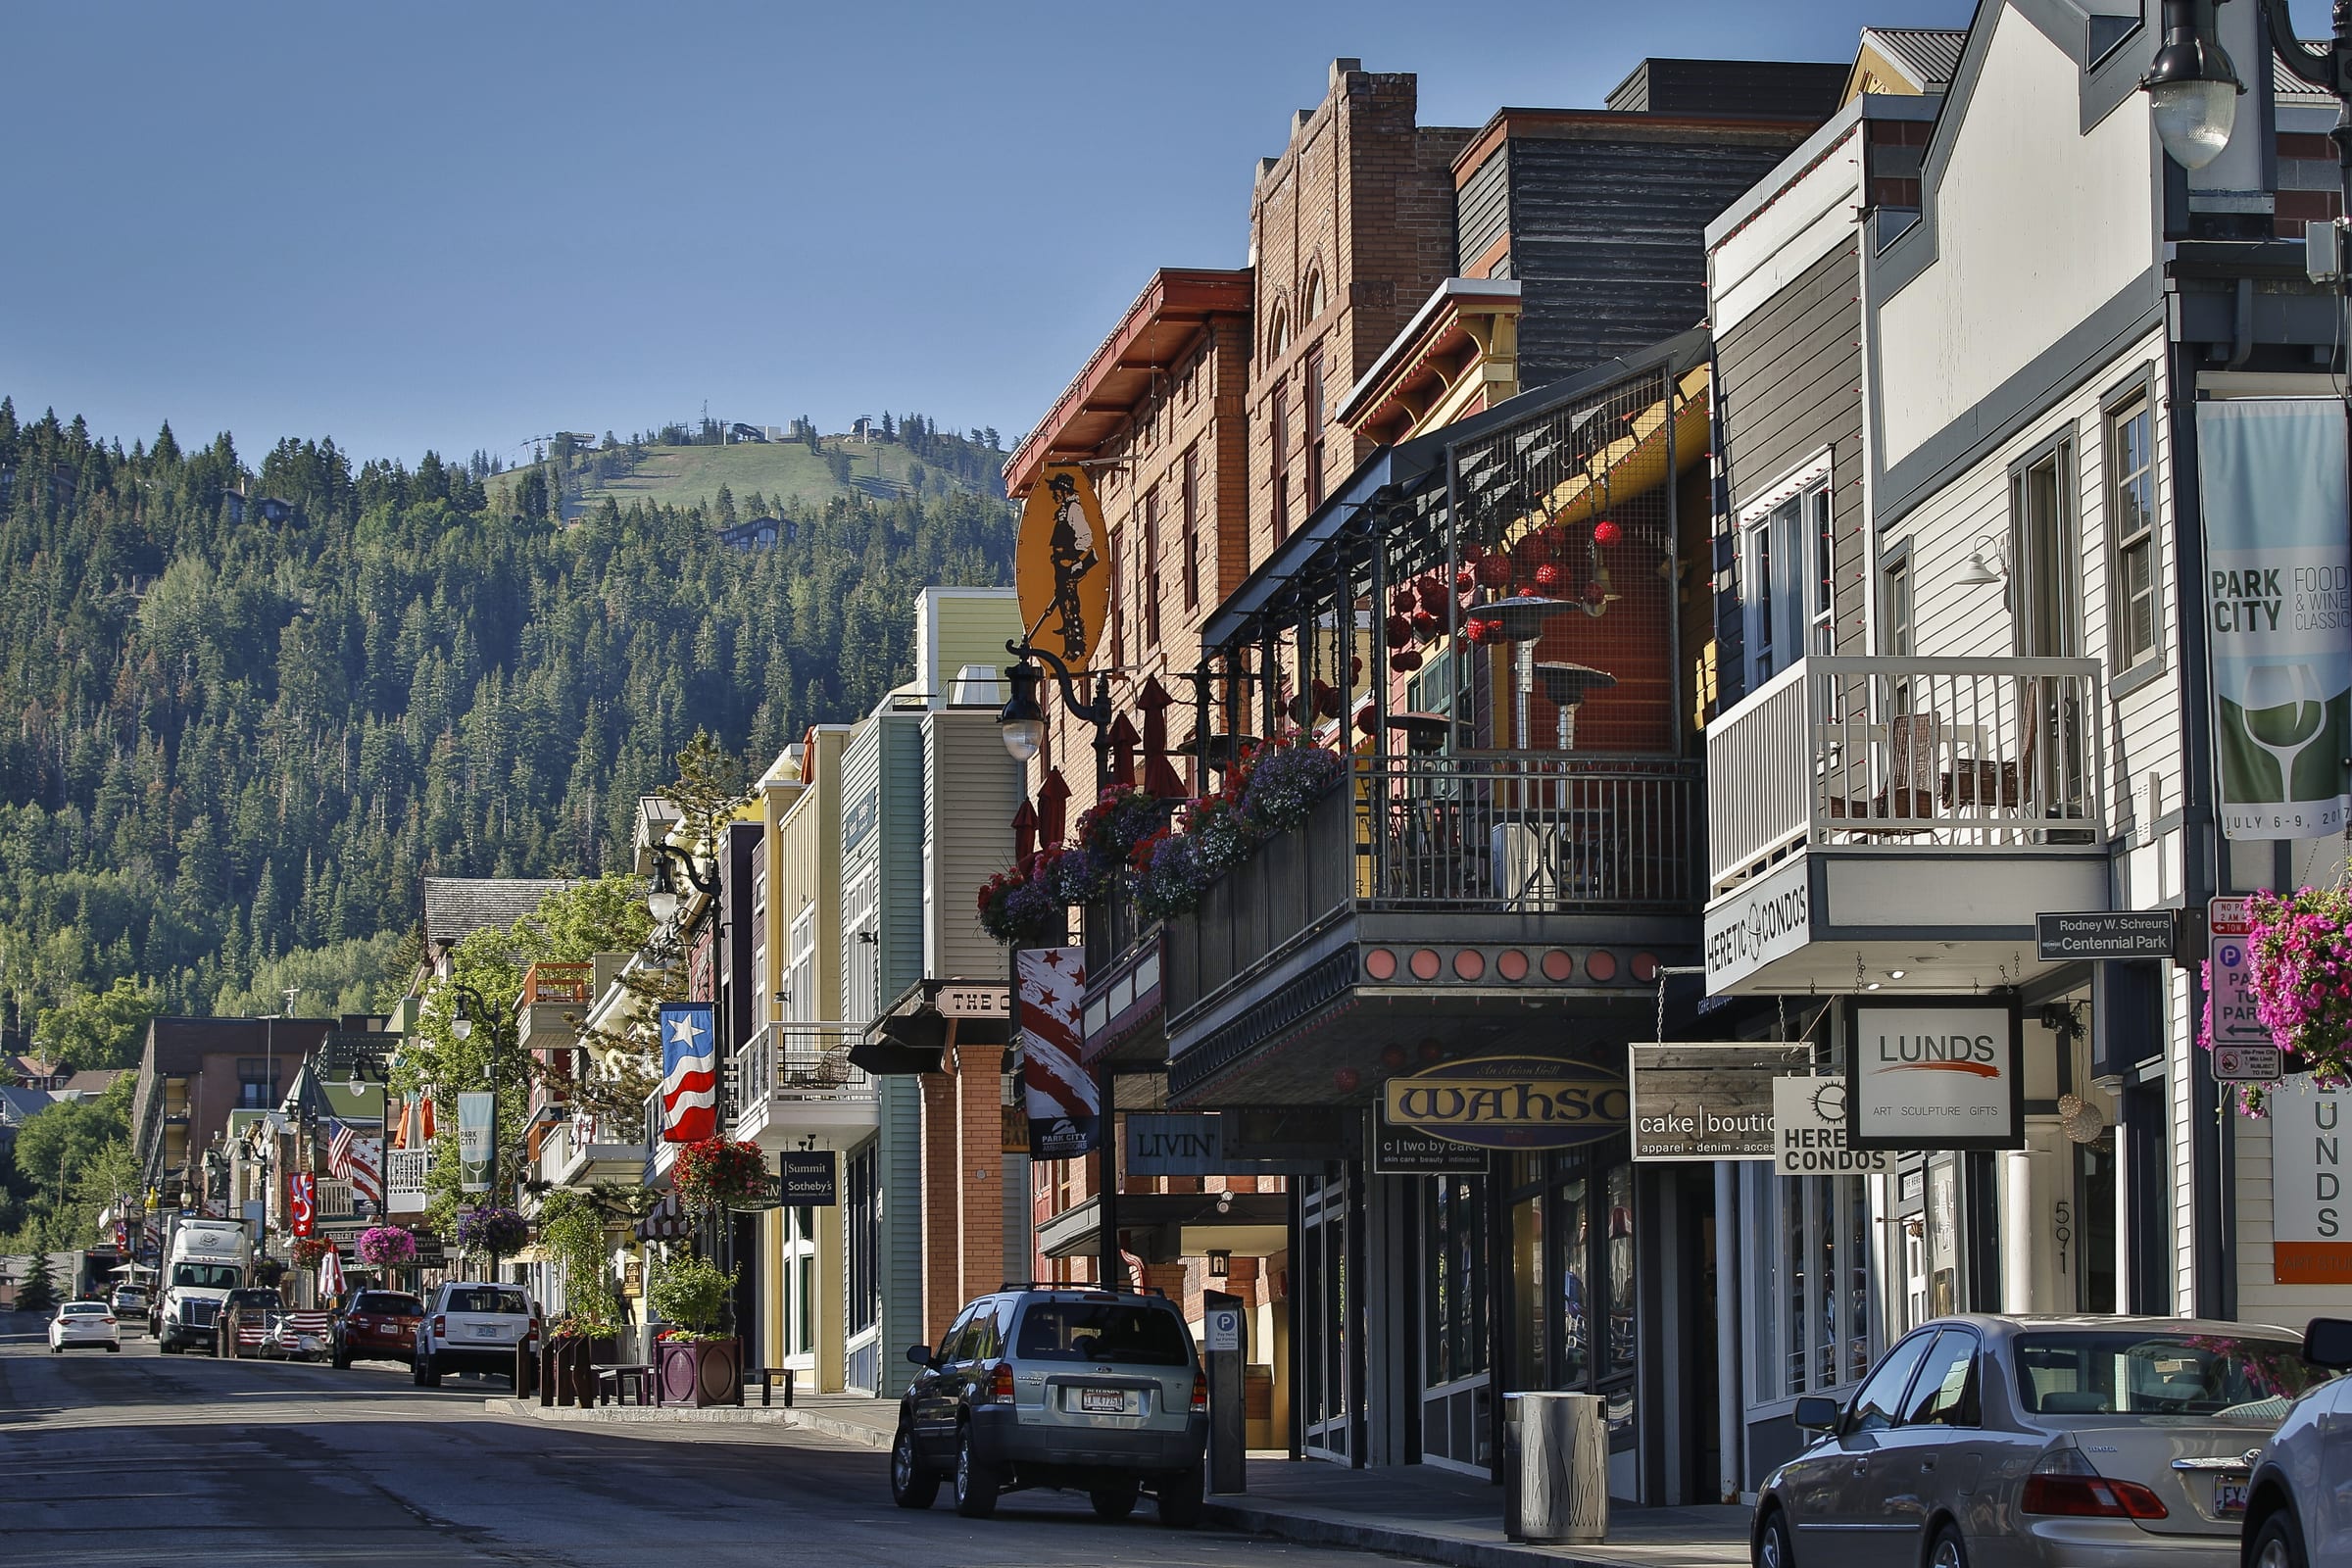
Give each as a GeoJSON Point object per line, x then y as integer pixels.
{"type": "Point", "coordinates": [1810, 1243]}
{"type": "Point", "coordinates": [1150, 566]}
{"type": "Point", "coordinates": [1455, 1313]}
{"type": "Point", "coordinates": [1314, 426]}
{"type": "Point", "coordinates": [1191, 505]}
{"type": "Point", "coordinates": [2131, 531]}
{"type": "Point", "coordinates": [1789, 567]}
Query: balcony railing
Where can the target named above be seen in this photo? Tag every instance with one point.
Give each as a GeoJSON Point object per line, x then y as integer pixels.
{"type": "Point", "coordinates": [798, 1061]}
{"type": "Point", "coordinates": [1969, 753]}
{"type": "Point", "coordinates": [557, 982]}
{"type": "Point", "coordinates": [1490, 832]}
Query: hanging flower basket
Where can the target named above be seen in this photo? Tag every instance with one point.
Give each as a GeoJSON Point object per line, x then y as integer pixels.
{"type": "Point", "coordinates": [1286, 780]}
{"type": "Point", "coordinates": [494, 1230]}
{"type": "Point", "coordinates": [718, 1171]}
{"type": "Point", "coordinates": [1016, 905]}
{"type": "Point", "coordinates": [311, 1250]}
{"type": "Point", "coordinates": [386, 1246]}
{"type": "Point", "coordinates": [2300, 977]}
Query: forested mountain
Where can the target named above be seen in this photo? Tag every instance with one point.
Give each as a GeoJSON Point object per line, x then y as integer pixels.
{"type": "Point", "coordinates": [235, 730]}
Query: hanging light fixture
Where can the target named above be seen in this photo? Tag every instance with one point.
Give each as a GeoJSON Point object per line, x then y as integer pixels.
{"type": "Point", "coordinates": [661, 898]}
{"type": "Point", "coordinates": [2193, 89]}
{"type": "Point", "coordinates": [1021, 720]}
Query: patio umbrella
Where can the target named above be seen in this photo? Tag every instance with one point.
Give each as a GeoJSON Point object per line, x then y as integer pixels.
{"type": "Point", "coordinates": [330, 1275]}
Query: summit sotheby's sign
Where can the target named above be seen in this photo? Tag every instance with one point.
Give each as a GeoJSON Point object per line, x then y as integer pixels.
{"type": "Point", "coordinates": [2278, 612]}
{"type": "Point", "coordinates": [1935, 1072]}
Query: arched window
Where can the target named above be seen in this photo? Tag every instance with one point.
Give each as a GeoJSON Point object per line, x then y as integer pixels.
{"type": "Point", "coordinates": [1280, 338]}
{"type": "Point", "coordinates": [1311, 305]}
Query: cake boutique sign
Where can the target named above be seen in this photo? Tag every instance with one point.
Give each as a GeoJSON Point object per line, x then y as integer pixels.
{"type": "Point", "coordinates": [1935, 1072]}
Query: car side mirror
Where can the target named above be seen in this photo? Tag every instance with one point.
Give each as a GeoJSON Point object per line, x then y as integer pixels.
{"type": "Point", "coordinates": [2327, 1343]}
{"type": "Point", "coordinates": [919, 1354]}
{"type": "Point", "coordinates": [1816, 1412]}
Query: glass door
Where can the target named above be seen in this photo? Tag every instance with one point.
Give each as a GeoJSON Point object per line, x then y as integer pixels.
{"type": "Point", "coordinates": [1322, 1318]}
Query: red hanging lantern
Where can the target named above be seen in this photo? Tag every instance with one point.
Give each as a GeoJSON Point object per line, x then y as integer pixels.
{"type": "Point", "coordinates": [1605, 532]}
{"type": "Point", "coordinates": [1494, 571]}
{"type": "Point", "coordinates": [1547, 580]}
{"type": "Point", "coordinates": [1431, 594]}
{"type": "Point", "coordinates": [1400, 629]}
{"type": "Point", "coordinates": [1472, 550]}
{"type": "Point", "coordinates": [1401, 598]}
{"type": "Point", "coordinates": [1404, 660]}
{"type": "Point", "coordinates": [1465, 580]}
{"type": "Point", "coordinates": [1425, 626]}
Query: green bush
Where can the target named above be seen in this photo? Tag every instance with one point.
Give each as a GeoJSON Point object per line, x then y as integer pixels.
{"type": "Point", "coordinates": [690, 1291]}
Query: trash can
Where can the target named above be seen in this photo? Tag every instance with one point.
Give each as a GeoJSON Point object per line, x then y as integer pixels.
{"type": "Point", "coordinates": [1556, 1468]}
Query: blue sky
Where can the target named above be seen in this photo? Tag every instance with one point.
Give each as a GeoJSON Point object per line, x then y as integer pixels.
{"type": "Point", "coordinates": [460, 226]}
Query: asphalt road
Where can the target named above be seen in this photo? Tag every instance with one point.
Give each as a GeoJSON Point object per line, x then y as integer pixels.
{"type": "Point", "coordinates": [139, 1458]}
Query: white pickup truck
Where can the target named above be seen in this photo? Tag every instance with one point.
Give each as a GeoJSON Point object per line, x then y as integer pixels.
{"type": "Point", "coordinates": [204, 1259]}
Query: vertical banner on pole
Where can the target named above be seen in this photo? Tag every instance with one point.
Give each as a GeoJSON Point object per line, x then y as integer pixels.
{"type": "Point", "coordinates": [1064, 1106]}
{"type": "Point", "coordinates": [2279, 614]}
{"type": "Point", "coordinates": [689, 1072]}
{"type": "Point", "coordinates": [474, 1141]}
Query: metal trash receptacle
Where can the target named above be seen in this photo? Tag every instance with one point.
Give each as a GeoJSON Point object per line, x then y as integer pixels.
{"type": "Point", "coordinates": [1556, 1468]}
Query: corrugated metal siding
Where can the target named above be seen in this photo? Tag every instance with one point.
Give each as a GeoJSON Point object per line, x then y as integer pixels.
{"type": "Point", "coordinates": [972, 787]}
{"type": "Point", "coordinates": [1790, 381]}
{"type": "Point", "coordinates": [1482, 208]}
{"type": "Point", "coordinates": [1609, 242]}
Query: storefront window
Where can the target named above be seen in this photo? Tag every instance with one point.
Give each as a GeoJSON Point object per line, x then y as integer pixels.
{"type": "Point", "coordinates": [1811, 1237]}
{"type": "Point", "coordinates": [1575, 1229]}
{"type": "Point", "coordinates": [1530, 1366]}
{"type": "Point", "coordinates": [1620, 1189]}
{"type": "Point", "coordinates": [1456, 1313]}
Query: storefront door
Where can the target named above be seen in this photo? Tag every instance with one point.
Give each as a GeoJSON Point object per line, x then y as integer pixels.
{"type": "Point", "coordinates": [1326, 1365]}
{"type": "Point", "coordinates": [1456, 1227]}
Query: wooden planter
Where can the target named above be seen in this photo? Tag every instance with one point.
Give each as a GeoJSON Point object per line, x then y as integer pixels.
{"type": "Point", "coordinates": [699, 1372]}
{"type": "Point", "coordinates": [571, 1373]}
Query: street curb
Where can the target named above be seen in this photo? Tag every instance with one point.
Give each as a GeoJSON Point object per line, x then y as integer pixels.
{"type": "Point", "coordinates": [632, 1414]}
{"type": "Point", "coordinates": [1312, 1529]}
{"type": "Point", "coordinates": [834, 1427]}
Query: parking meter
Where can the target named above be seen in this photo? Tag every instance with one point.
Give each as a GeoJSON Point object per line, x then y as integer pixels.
{"type": "Point", "coordinates": [1224, 1347]}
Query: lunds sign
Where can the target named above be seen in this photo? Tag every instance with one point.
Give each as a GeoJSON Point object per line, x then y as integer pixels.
{"type": "Point", "coordinates": [1935, 1072]}
{"type": "Point", "coordinates": [1510, 1102]}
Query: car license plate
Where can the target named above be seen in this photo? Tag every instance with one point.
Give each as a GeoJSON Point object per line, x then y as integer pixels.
{"type": "Point", "coordinates": [1107, 1402]}
{"type": "Point", "coordinates": [2229, 1496]}
{"type": "Point", "coordinates": [486, 1331]}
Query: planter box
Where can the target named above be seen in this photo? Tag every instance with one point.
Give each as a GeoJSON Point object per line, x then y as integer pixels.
{"type": "Point", "coordinates": [570, 1367]}
{"type": "Point", "coordinates": [700, 1372]}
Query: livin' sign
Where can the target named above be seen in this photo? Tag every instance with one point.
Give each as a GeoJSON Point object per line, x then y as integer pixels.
{"type": "Point", "coordinates": [1175, 1144]}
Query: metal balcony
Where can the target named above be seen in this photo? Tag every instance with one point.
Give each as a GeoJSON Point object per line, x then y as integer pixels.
{"type": "Point", "coordinates": [795, 1078]}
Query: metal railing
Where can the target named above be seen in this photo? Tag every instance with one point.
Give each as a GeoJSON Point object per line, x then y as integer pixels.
{"type": "Point", "coordinates": [1997, 754]}
{"type": "Point", "coordinates": [799, 1062]}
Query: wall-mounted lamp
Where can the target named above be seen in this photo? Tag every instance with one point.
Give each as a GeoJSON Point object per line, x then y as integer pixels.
{"type": "Point", "coordinates": [1220, 1264]}
{"type": "Point", "coordinates": [1987, 563]}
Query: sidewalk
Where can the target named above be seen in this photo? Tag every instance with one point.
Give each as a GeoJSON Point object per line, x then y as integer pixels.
{"type": "Point", "coordinates": [1403, 1510]}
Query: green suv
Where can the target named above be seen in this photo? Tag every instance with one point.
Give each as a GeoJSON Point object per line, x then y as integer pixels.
{"type": "Point", "coordinates": [1069, 1386]}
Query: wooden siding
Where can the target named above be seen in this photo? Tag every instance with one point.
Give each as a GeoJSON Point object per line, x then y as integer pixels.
{"type": "Point", "coordinates": [971, 788]}
{"type": "Point", "coordinates": [1790, 379]}
{"type": "Point", "coordinates": [1608, 241]}
{"type": "Point", "coordinates": [1482, 208]}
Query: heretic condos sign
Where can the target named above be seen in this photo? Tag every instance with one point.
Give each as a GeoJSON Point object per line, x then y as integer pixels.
{"type": "Point", "coordinates": [1509, 1102]}
{"type": "Point", "coordinates": [2278, 606]}
{"type": "Point", "coordinates": [1935, 1072]}
{"type": "Point", "coordinates": [1768, 918]}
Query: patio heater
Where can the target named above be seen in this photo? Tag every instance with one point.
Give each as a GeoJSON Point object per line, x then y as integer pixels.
{"type": "Point", "coordinates": [1523, 616]}
{"type": "Point", "coordinates": [1567, 685]}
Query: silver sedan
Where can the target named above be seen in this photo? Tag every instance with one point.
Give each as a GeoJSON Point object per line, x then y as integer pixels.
{"type": "Point", "coordinates": [1983, 1442]}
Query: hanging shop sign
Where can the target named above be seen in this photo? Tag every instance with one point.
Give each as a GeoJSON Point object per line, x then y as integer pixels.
{"type": "Point", "coordinates": [2311, 1216]}
{"type": "Point", "coordinates": [811, 1178]}
{"type": "Point", "coordinates": [1174, 1143]}
{"type": "Point", "coordinates": [1808, 1131]}
{"type": "Point", "coordinates": [1509, 1102]}
{"type": "Point", "coordinates": [1701, 1100]}
{"type": "Point", "coordinates": [2104, 934]}
{"type": "Point", "coordinates": [1402, 1151]}
{"type": "Point", "coordinates": [1064, 1104]}
{"type": "Point", "coordinates": [474, 1141]}
{"type": "Point", "coordinates": [1060, 570]}
{"type": "Point", "coordinates": [959, 1001]}
{"type": "Point", "coordinates": [1768, 920]}
{"type": "Point", "coordinates": [404, 1179]}
{"type": "Point", "coordinates": [2277, 605]}
{"type": "Point", "coordinates": [1935, 1072]}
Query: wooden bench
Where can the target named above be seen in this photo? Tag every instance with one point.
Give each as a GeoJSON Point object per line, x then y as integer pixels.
{"type": "Point", "coordinates": [616, 1377]}
{"type": "Point", "coordinates": [765, 1377]}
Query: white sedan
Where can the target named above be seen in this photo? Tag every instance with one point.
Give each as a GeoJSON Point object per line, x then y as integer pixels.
{"type": "Point", "coordinates": [83, 1323]}
{"type": "Point", "coordinates": [2299, 1511]}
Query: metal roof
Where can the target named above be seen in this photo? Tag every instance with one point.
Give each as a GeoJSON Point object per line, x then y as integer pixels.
{"type": "Point", "coordinates": [1930, 54]}
{"type": "Point", "coordinates": [457, 907]}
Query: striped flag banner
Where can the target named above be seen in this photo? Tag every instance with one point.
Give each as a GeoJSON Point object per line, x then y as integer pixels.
{"type": "Point", "coordinates": [1064, 1105]}
{"type": "Point", "coordinates": [358, 1157]}
{"type": "Point", "coordinates": [689, 1072]}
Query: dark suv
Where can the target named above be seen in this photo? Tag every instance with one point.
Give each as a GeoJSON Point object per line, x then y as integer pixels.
{"type": "Point", "coordinates": [378, 1326]}
{"type": "Point", "coordinates": [1057, 1386]}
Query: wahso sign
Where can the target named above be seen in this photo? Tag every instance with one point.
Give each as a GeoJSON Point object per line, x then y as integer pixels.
{"type": "Point", "coordinates": [1510, 1102]}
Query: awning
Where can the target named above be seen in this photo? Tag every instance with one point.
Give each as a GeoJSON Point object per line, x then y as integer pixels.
{"type": "Point", "coordinates": [1162, 1227]}
{"type": "Point", "coordinates": [667, 1222]}
{"type": "Point", "coordinates": [913, 1031]}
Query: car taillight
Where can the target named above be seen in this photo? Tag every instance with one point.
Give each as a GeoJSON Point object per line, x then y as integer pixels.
{"type": "Point", "coordinates": [1199, 1393]}
{"type": "Point", "coordinates": [108, 1321]}
{"type": "Point", "coordinates": [999, 1385]}
{"type": "Point", "coordinates": [2064, 1482]}
{"type": "Point", "coordinates": [440, 1326]}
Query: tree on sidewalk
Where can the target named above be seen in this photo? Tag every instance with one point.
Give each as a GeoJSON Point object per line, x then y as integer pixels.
{"type": "Point", "coordinates": [39, 1293]}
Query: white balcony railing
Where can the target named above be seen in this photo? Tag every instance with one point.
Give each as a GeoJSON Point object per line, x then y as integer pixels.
{"type": "Point", "coordinates": [798, 1061]}
{"type": "Point", "coordinates": [2002, 755]}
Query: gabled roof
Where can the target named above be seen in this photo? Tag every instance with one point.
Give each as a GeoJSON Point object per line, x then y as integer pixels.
{"type": "Point", "coordinates": [457, 907]}
{"type": "Point", "coordinates": [18, 1104]}
{"type": "Point", "coordinates": [1927, 56]}
{"type": "Point", "coordinates": [93, 1080]}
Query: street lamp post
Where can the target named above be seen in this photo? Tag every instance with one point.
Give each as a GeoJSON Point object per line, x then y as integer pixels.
{"type": "Point", "coordinates": [469, 1002]}
{"type": "Point", "coordinates": [705, 875]}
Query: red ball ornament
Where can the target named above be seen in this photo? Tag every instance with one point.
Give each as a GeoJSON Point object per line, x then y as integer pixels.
{"type": "Point", "coordinates": [1400, 629]}
{"type": "Point", "coordinates": [1472, 552]}
{"type": "Point", "coordinates": [1404, 660]}
{"type": "Point", "coordinates": [1355, 668]}
{"type": "Point", "coordinates": [1346, 1079]}
{"type": "Point", "coordinates": [1465, 580]}
{"type": "Point", "coordinates": [1605, 532]}
{"type": "Point", "coordinates": [1547, 580]}
{"type": "Point", "coordinates": [1366, 720]}
{"type": "Point", "coordinates": [1392, 1057]}
{"type": "Point", "coordinates": [1425, 626]}
{"type": "Point", "coordinates": [1494, 571]}
{"type": "Point", "coordinates": [1594, 593]}
{"type": "Point", "coordinates": [1400, 600]}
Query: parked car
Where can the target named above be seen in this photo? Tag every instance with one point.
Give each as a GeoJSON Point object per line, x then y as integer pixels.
{"type": "Point", "coordinates": [2299, 1505]}
{"type": "Point", "coordinates": [1066, 1386]}
{"type": "Point", "coordinates": [129, 1302]}
{"type": "Point", "coordinates": [2044, 1440]}
{"type": "Point", "coordinates": [82, 1323]}
{"type": "Point", "coordinates": [377, 1326]}
{"type": "Point", "coordinates": [471, 1325]}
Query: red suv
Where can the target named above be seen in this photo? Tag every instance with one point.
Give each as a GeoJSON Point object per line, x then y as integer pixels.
{"type": "Point", "coordinates": [377, 1326]}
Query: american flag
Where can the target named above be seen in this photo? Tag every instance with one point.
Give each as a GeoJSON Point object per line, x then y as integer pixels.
{"type": "Point", "coordinates": [689, 1071]}
{"type": "Point", "coordinates": [357, 1158]}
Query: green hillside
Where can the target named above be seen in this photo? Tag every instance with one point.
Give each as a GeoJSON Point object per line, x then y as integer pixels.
{"type": "Point", "coordinates": [766, 478]}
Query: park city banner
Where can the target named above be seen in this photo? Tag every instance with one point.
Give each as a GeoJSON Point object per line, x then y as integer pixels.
{"type": "Point", "coordinates": [474, 1141]}
{"type": "Point", "coordinates": [2278, 612]}
{"type": "Point", "coordinates": [1065, 1110]}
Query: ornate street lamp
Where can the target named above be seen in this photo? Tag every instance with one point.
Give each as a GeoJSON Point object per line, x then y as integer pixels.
{"type": "Point", "coordinates": [1024, 722]}
{"type": "Point", "coordinates": [2193, 89]}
